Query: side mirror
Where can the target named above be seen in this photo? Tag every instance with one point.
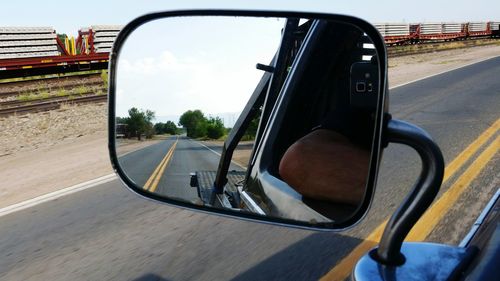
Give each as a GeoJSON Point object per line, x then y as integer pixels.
{"type": "Point", "coordinates": [269, 116]}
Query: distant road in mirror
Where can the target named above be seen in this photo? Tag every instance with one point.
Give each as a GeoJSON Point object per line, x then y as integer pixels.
{"type": "Point", "coordinates": [165, 167]}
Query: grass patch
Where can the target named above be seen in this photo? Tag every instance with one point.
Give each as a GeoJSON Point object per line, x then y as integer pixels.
{"type": "Point", "coordinates": [62, 92]}
{"type": "Point", "coordinates": [101, 93]}
{"type": "Point", "coordinates": [30, 96]}
{"type": "Point", "coordinates": [223, 138]}
{"type": "Point", "coordinates": [161, 137]}
{"type": "Point", "coordinates": [440, 46]}
{"type": "Point", "coordinates": [104, 77]}
{"type": "Point", "coordinates": [48, 76]}
{"type": "Point", "coordinates": [43, 93]}
{"type": "Point", "coordinates": [25, 97]}
{"type": "Point", "coordinates": [81, 90]}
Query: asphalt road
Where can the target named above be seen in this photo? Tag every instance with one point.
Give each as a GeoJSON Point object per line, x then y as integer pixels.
{"type": "Point", "coordinates": [174, 179]}
{"type": "Point", "coordinates": [108, 233]}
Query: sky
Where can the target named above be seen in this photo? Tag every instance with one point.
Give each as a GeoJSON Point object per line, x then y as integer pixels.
{"type": "Point", "coordinates": [195, 73]}
{"type": "Point", "coordinates": [205, 63]}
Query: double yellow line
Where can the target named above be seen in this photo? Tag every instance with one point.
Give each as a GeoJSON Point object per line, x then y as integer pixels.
{"type": "Point", "coordinates": [439, 209]}
{"type": "Point", "coordinates": [155, 177]}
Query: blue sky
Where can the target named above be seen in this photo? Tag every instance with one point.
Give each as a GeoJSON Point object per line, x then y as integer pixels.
{"type": "Point", "coordinates": [68, 16]}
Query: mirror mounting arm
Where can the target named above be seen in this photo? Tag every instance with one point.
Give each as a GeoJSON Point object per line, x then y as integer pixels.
{"type": "Point", "coordinates": [422, 194]}
{"type": "Point", "coordinates": [279, 67]}
{"type": "Point", "coordinates": [251, 108]}
{"type": "Point", "coordinates": [279, 71]}
{"type": "Point", "coordinates": [264, 67]}
{"type": "Point", "coordinates": [265, 95]}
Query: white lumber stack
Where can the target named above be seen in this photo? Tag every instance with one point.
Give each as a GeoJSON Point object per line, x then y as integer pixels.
{"type": "Point", "coordinates": [28, 42]}
{"type": "Point", "coordinates": [103, 36]}
{"type": "Point", "coordinates": [477, 26]}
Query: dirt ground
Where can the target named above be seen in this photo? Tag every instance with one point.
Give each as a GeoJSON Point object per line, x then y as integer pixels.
{"type": "Point", "coordinates": [45, 152]}
{"type": "Point", "coordinates": [408, 68]}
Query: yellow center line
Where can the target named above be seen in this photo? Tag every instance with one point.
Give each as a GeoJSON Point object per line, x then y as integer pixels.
{"type": "Point", "coordinates": [162, 169]}
{"type": "Point", "coordinates": [343, 269]}
{"type": "Point", "coordinates": [431, 218]}
{"type": "Point", "coordinates": [470, 150]}
{"type": "Point", "coordinates": [155, 173]}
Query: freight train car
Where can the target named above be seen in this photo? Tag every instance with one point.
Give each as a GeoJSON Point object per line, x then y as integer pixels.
{"type": "Point", "coordinates": [495, 28]}
{"type": "Point", "coordinates": [402, 33]}
{"type": "Point", "coordinates": [26, 51]}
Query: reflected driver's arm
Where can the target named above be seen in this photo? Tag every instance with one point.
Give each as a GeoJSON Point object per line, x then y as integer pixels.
{"type": "Point", "coordinates": [325, 165]}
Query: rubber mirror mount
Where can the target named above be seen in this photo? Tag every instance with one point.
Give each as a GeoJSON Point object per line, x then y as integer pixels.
{"type": "Point", "coordinates": [421, 196]}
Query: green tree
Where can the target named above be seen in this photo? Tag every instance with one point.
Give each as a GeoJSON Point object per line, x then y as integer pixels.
{"type": "Point", "coordinates": [121, 120]}
{"type": "Point", "coordinates": [139, 122]}
{"type": "Point", "coordinates": [195, 123]}
{"type": "Point", "coordinates": [166, 128]}
{"type": "Point", "coordinates": [215, 128]}
{"type": "Point", "coordinates": [171, 128]}
{"type": "Point", "coordinates": [159, 128]}
{"type": "Point", "coordinates": [251, 131]}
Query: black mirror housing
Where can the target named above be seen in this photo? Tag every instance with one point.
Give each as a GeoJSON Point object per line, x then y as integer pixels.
{"type": "Point", "coordinates": [343, 47]}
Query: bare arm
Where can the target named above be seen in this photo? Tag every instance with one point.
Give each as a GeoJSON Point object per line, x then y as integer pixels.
{"type": "Point", "coordinates": [324, 165]}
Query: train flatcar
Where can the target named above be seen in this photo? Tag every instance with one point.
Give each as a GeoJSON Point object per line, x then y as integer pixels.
{"type": "Point", "coordinates": [404, 33]}
{"type": "Point", "coordinates": [27, 51]}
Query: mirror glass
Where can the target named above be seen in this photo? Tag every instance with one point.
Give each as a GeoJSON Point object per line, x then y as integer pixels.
{"type": "Point", "coordinates": [184, 86]}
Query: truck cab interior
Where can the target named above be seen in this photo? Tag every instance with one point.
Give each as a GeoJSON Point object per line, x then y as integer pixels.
{"type": "Point", "coordinates": [333, 88]}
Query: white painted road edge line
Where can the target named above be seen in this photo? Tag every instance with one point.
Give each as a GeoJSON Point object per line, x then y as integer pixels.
{"type": "Point", "coordinates": [442, 72]}
{"type": "Point", "coordinates": [235, 163]}
{"type": "Point", "coordinates": [56, 194]}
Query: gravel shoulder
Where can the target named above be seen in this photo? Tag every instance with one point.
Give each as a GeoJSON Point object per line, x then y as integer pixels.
{"type": "Point", "coordinates": [409, 68]}
{"type": "Point", "coordinates": [45, 152]}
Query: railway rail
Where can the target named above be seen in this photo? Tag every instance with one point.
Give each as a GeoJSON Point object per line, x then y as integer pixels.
{"type": "Point", "coordinates": [50, 105]}
{"type": "Point", "coordinates": [56, 76]}
{"type": "Point", "coordinates": [428, 47]}
{"type": "Point", "coordinates": [21, 97]}
{"type": "Point", "coordinates": [19, 89]}
{"type": "Point", "coordinates": [20, 103]}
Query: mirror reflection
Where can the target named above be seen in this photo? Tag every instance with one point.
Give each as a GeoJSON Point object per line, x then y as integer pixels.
{"type": "Point", "coordinates": [187, 88]}
{"type": "Point", "coordinates": [181, 85]}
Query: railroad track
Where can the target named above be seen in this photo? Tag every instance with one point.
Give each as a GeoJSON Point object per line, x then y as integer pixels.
{"type": "Point", "coordinates": [55, 98]}
{"type": "Point", "coordinates": [66, 87]}
{"type": "Point", "coordinates": [45, 105]}
{"type": "Point", "coordinates": [21, 97]}
{"type": "Point", "coordinates": [49, 77]}
{"type": "Point", "coordinates": [8, 89]}
{"type": "Point", "coordinates": [429, 47]}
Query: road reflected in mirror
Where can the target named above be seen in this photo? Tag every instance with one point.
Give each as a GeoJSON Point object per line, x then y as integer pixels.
{"type": "Point", "coordinates": [181, 85]}
{"type": "Point", "coordinates": [187, 87]}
